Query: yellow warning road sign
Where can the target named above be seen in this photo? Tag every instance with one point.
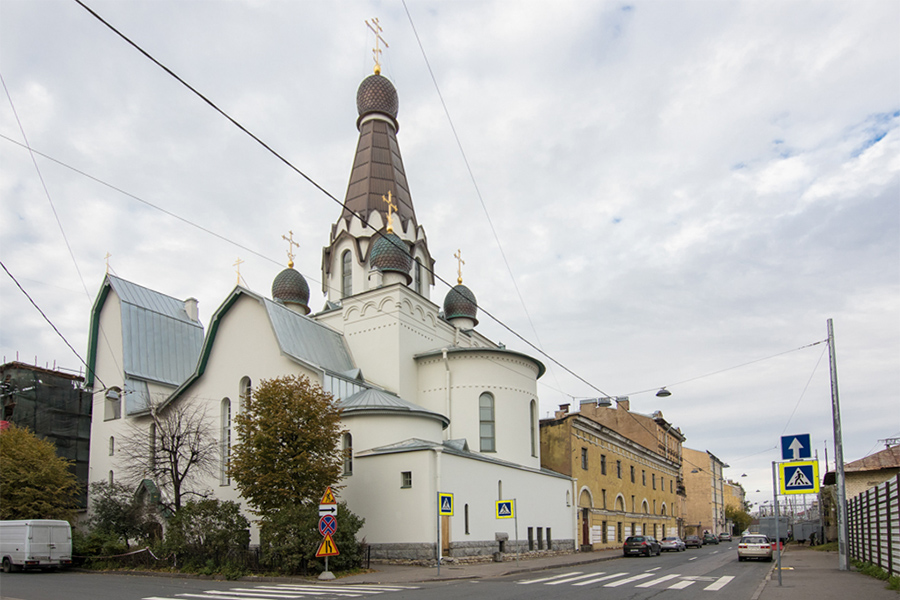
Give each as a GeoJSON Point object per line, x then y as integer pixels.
{"type": "Point", "coordinates": [328, 497]}
{"type": "Point", "coordinates": [327, 547]}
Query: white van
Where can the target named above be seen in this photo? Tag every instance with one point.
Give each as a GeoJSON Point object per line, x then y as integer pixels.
{"type": "Point", "coordinates": [35, 544]}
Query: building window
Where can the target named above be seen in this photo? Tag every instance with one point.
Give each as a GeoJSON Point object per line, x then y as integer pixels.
{"type": "Point", "coordinates": [643, 477]}
{"type": "Point", "coordinates": [534, 429]}
{"type": "Point", "coordinates": [653, 476]}
{"type": "Point", "coordinates": [499, 489]}
{"type": "Point", "coordinates": [348, 453]}
{"type": "Point", "coordinates": [584, 459]}
{"type": "Point", "coordinates": [603, 495]}
{"type": "Point", "coordinates": [604, 533]}
{"type": "Point", "coordinates": [406, 479]}
{"type": "Point", "coordinates": [417, 273]}
{"type": "Point", "coordinates": [603, 464]}
{"type": "Point", "coordinates": [346, 274]}
{"type": "Point", "coordinates": [225, 442]}
{"type": "Point", "coordinates": [486, 422]}
{"type": "Point", "coordinates": [112, 446]}
{"type": "Point", "coordinates": [466, 512]}
{"type": "Point", "coordinates": [151, 451]}
{"type": "Point", "coordinates": [245, 392]}
{"type": "Point", "coordinates": [113, 404]}
{"type": "Point", "coordinates": [619, 469]}
{"type": "Point", "coordinates": [632, 474]}
{"type": "Point", "coordinates": [111, 478]}
{"type": "Point", "coordinates": [670, 486]}
{"type": "Point", "coordinates": [619, 531]}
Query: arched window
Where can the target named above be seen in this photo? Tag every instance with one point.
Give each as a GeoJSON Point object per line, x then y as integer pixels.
{"type": "Point", "coordinates": [499, 489]}
{"type": "Point", "coordinates": [534, 431]}
{"type": "Point", "coordinates": [113, 404]}
{"type": "Point", "coordinates": [151, 451]}
{"type": "Point", "coordinates": [225, 442]}
{"type": "Point", "coordinates": [348, 453]}
{"type": "Point", "coordinates": [112, 445]}
{"type": "Point", "coordinates": [417, 274]}
{"type": "Point", "coordinates": [245, 392]}
{"type": "Point", "coordinates": [346, 275]}
{"type": "Point", "coordinates": [111, 477]}
{"type": "Point", "coordinates": [486, 422]}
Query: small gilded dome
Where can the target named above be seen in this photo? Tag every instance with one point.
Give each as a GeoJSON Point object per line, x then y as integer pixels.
{"type": "Point", "coordinates": [377, 94]}
{"type": "Point", "coordinates": [390, 253]}
{"type": "Point", "coordinates": [460, 302]}
{"type": "Point", "coordinates": [291, 288]}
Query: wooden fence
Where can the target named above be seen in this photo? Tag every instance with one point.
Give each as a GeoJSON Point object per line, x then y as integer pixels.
{"type": "Point", "coordinates": [874, 520]}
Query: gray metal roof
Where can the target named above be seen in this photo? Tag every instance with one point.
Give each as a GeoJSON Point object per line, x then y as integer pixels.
{"type": "Point", "coordinates": [159, 341]}
{"type": "Point", "coordinates": [306, 340]}
{"type": "Point", "coordinates": [379, 401]}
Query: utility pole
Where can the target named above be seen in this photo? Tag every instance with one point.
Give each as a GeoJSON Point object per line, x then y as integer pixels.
{"type": "Point", "coordinates": [843, 529]}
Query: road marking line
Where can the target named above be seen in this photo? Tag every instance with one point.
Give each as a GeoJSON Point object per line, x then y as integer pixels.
{"type": "Point", "coordinates": [662, 579]}
{"type": "Point", "coordinates": [681, 584]}
{"type": "Point", "coordinates": [543, 579]}
{"type": "Point", "coordinates": [576, 578]}
{"type": "Point", "coordinates": [629, 580]}
{"type": "Point", "coordinates": [719, 584]}
{"type": "Point", "coordinates": [694, 558]}
{"type": "Point", "coordinates": [653, 569]}
{"type": "Point", "coordinates": [590, 581]}
{"type": "Point", "coordinates": [263, 593]}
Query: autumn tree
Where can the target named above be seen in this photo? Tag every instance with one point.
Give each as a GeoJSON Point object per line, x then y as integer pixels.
{"type": "Point", "coordinates": [35, 483]}
{"type": "Point", "coordinates": [287, 451]}
{"type": "Point", "coordinates": [739, 517]}
{"type": "Point", "coordinates": [176, 449]}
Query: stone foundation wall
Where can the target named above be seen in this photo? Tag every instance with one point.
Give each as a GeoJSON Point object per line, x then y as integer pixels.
{"type": "Point", "coordinates": [463, 552]}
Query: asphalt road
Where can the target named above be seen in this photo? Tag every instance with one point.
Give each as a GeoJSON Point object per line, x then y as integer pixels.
{"type": "Point", "coordinates": [702, 573]}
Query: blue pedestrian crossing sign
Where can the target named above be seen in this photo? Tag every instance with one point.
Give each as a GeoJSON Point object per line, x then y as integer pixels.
{"type": "Point", "coordinates": [445, 504]}
{"type": "Point", "coordinates": [796, 447]}
{"type": "Point", "coordinates": [505, 509]}
{"type": "Point", "coordinates": [799, 477]}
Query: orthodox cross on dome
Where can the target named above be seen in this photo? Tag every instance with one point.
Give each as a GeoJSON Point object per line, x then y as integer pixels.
{"type": "Point", "coordinates": [391, 209]}
{"type": "Point", "coordinates": [107, 262]}
{"type": "Point", "coordinates": [237, 264]}
{"type": "Point", "coordinates": [291, 244]}
{"type": "Point", "coordinates": [458, 257]}
{"type": "Point", "coordinates": [376, 51]}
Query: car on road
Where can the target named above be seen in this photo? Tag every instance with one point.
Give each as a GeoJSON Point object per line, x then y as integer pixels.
{"type": "Point", "coordinates": [709, 538]}
{"type": "Point", "coordinates": [724, 537]}
{"type": "Point", "coordinates": [755, 546]}
{"type": "Point", "coordinates": [672, 543]}
{"type": "Point", "coordinates": [641, 544]}
{"type": "Point", "coordinates": [693, 541]}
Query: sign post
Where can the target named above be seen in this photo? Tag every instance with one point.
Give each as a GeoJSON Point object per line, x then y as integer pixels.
{"type": "Point", "coordinates": [445, 509]}
{"type": "Point", "coordinates": [327, 528]}
{"type": "Point", "coordinates": [506, 509]}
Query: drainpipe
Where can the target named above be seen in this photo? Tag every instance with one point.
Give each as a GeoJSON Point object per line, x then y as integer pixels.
{"type": "Point", "coordinates": [437, 515]}
{"type": "Point", "coordinates": [449, 434]}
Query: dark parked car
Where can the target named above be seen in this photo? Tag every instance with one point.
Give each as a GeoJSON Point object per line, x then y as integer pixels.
{"type": "Point", "coordinates": [641, 544]}
{"type": "Point", "coordinates": [709, 538]}
{"type": "Point", "coordinates": [693, 541]}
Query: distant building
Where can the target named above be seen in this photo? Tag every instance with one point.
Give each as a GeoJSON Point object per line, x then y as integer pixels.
{"type": "Point", "coordinates": [705, 485]}
{"type": "Point", "coordinates": [54, 406]}
{"type": "Point", "coordinates": [623, 488]}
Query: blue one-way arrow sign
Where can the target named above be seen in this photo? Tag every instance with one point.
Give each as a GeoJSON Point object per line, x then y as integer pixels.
{"type": "Point", "coordinates": [795, 447]}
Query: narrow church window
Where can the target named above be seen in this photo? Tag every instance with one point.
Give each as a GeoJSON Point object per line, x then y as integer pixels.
{"type": "Point", "coordinates": [111, 477]}
{"type": "Point", "coordinates": [417, 268]}
{"type": "Point", "coordinates": [534, 428]}
{"type": "Point", "coordinates": [245, 392]}
{"type": "Point", "coordinates": [346, 275]}
{"type": "Point", "coordinates": [348, 454]}
{"type": "Point", "coordinates": [113, 404]}
{"type": "Point", "coordinates": [486, 418]}
{"type": "Point", "coordinates": [467, 519]}
{"type": "Point", "coordinates": [225, 441]}
{"type": "Point", "coordinates": [406, 479]}
{"type": "Point", "coordinates": [584, 459]}
{"type": "Point", "coordinates": [112, 445]}
{"type": "Point", "coordinates": [151, 451]}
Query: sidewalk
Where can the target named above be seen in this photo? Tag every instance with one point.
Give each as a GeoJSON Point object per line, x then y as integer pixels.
{"type": "Point", "coordinates": [808, 573]}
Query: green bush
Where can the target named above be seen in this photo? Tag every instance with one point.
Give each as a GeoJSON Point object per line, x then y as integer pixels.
{"type": "Point", "coordinates": [878, 573]}
{"type": "Point", "coordinates": [207, 534]}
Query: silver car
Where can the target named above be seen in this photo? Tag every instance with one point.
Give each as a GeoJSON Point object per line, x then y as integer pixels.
{"type": "Point", "coordinates": [672, 543]}
{"type": "Point", "coordinates": [755, 546]}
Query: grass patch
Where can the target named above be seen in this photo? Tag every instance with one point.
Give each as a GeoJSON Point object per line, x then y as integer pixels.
{"type": "Point", "coordinates": [893, 583]}
{"type": "Point", "coordinates": [829, 547]}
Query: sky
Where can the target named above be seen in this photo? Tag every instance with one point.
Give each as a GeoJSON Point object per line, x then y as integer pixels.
{"type": "Point", "coordinates": [655, 193]}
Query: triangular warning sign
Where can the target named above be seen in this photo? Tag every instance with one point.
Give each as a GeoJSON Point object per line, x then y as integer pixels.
{"type": "Point", "coordinates": [328, 497]}
{"type": "Point", "coordinates": [445, 504]}
{"type": "Point", "coordinates": [327, 547]}
{"type": "Point", "coordinates": [504, 509]}
{"type": "Point", "coordinates": [798, 479]}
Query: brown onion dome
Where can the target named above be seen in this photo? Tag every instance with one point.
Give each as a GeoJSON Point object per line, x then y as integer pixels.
{"type": "Point", "coordinates": [460, 302]}
{"type": "Point", "coordinates": [376, 94]}
{"type": "Point", "coordinates": [291, 288]}
{"type": "Point", "coordinates": [390, 253]}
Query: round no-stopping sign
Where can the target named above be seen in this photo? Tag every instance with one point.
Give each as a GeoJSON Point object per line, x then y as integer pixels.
{"type": "Point", "coordinates": [327, 525]}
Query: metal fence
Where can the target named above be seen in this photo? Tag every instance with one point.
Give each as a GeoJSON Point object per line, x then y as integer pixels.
{"type": "Point", "coordinates": [874, 521]}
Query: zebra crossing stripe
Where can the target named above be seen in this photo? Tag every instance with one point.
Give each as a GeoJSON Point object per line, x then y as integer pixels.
{"type": "Point", "coordinates": [590, 581]}
{"type": "Point", "coordinates": [631, 579]}
{"type": "Point", "coordinates": [571, 579]}
{"type": "Point", "coordinates": [543, 579]}
{"type": "Point", "coordinates": [658, 580]}
{"type": "Point", "coordinates": [719, 584]}
{"type": "Point", "coordinates": [681, 584]}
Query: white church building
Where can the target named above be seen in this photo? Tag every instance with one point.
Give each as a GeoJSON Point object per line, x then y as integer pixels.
{"type": "Point", "coordinates": [429, 405]}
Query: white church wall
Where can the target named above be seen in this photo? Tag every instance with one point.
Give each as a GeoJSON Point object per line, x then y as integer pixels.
{"type": "Point", "coordinates": [372, 431]}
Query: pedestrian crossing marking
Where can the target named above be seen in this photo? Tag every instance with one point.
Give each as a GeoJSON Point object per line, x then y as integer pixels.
{"type": "Point", "coordinates": [579, 579]}
{"type": "Point", "coordinates": [288, 591]}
